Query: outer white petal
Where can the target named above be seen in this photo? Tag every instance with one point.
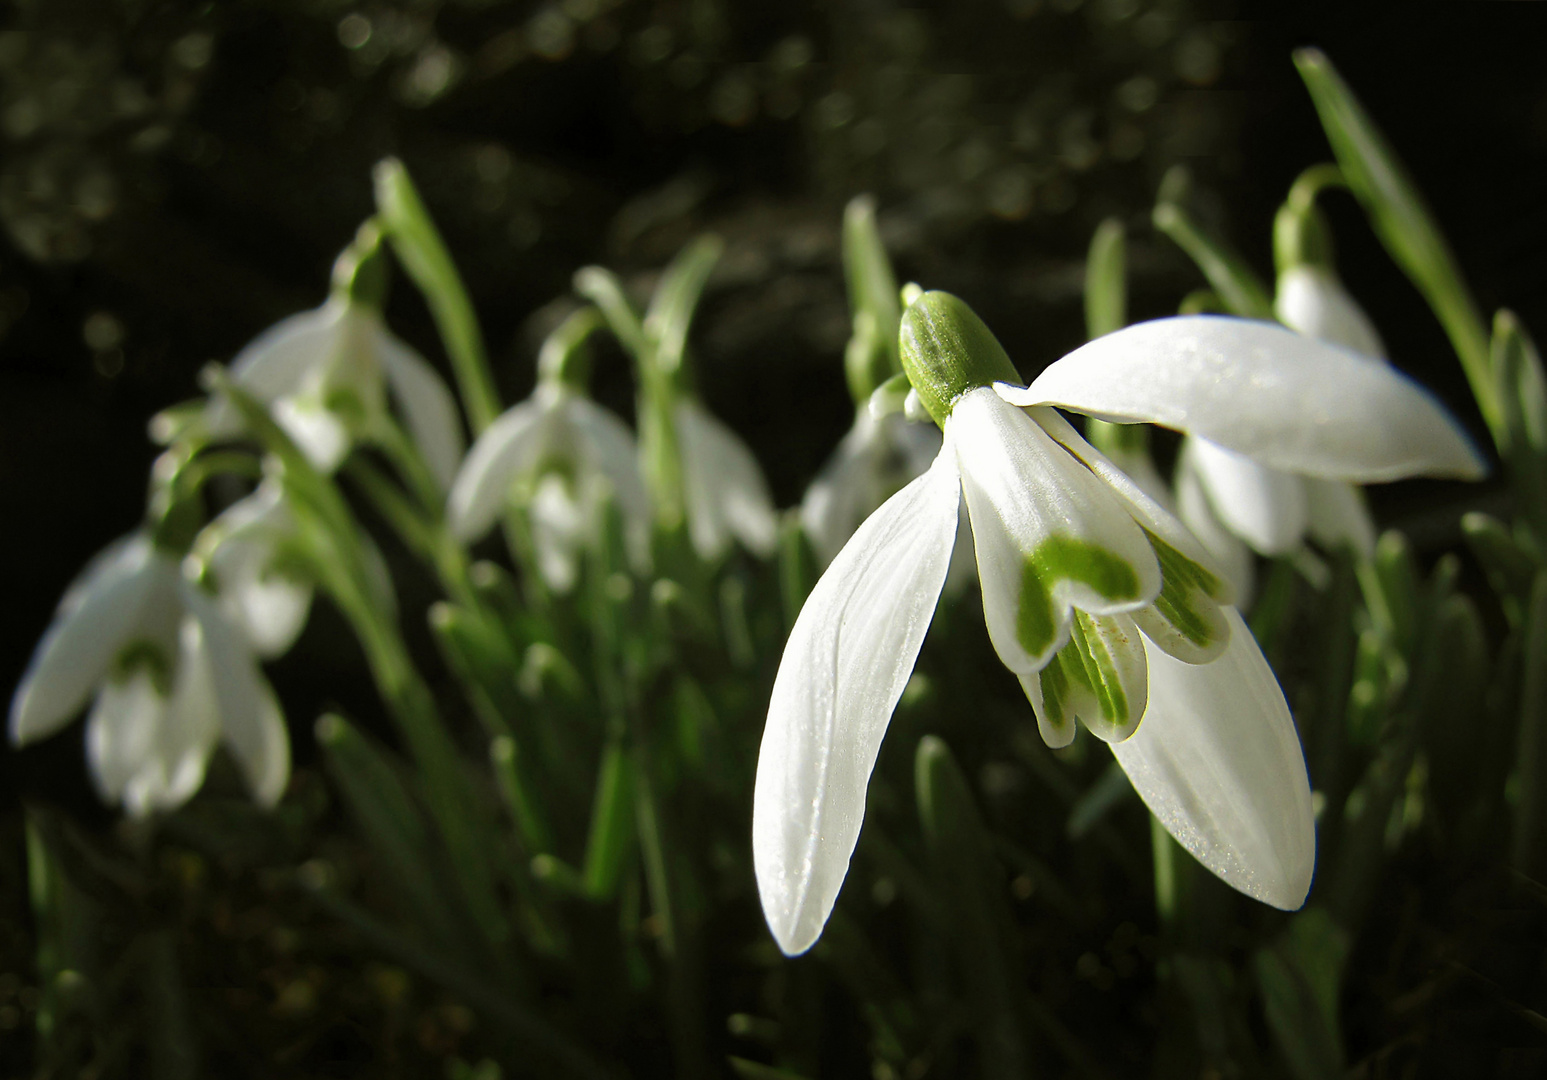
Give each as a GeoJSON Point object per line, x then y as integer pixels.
{"type": "Point", "coordinates": [278, 362]}
{"type": "Point", "coordinates": [320, 434]}
{"type": "Point", "coordinates": [1285, 399]}
{"type": "Point", "coordinates": [269, 607]}
{"type": "Point", "coordinates": [1228, 551]}
{"type": "Point", "coordinates": [127, 592]}
{"type": "Point", "coordinates": [1265, 507]}
{"type": "Point", "coordinates": [561, 523]}
{"type": "Point", "coordinates": [726, 493]}
{"type": "Point", "coordinates": [844, 668]}
{"type": "Point", "coordinates": [508, 448]}
{"type": "Point", "coordinates": [607, 446]}
{"type": "Point", "coordinates": [251, 724]}
{"type": "Point", "coordinates": [1339, 515]}
{"type": "Point", "coordinates": [121, 732]}
{"type": "Point", "coordinates": [426, 403]}
{"type": "Point", "coordinates": [1218, 762]}
{"type": "Point", "coordinates": [1023, 491]}
{"type": "Point", "coordinates": [1314, 302]}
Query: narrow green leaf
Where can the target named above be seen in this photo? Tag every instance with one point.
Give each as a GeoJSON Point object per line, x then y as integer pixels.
{"type": "Point", "coordinates": [752, 1070]}
{"type": "Point", "coordinates": [967, 872]}
{"type": "Point", "coordinates": [1510, 566]}
{"type": "Point", "coordinates": [518, 789]}
{"type": "Point", "coordinates": [1522, 391]}
{"type": "Point", "coordinates": [418, 245]}
{"type": "Point", "coordinates": [676, 297]}
{"type": "Point", "coordinates": [1528, 847]}
{"type": "Point", "coordinates": [610, 843]}
{"type": "Point", "coordinates": [1298, 977]}
{"type": "Point", "coordinates": [871, 356]}
{"type": "Point", "coordinates": [1106, 284]}
{"type": "Point", "coordinates": [565, 355]}
{"type": "Point", "coordinates": [1110, 790]}
{"type": "Point", "coordinates": [1227, 273]}
{"type": "Point", "coordinates": [1402, 220]}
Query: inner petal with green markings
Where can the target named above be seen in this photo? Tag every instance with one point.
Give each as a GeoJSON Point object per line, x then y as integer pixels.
{"type": "Point", "coordinates": [1051, 536]}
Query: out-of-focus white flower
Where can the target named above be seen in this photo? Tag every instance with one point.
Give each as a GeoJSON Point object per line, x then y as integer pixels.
{"type": "Point", "coordinates": [1270, 510]}
{"type": "Point", "coordinates": [725, 495]}
{"type": "Point", "coordinates": [560, 455]}
{"type": "Point", "coordinates": [171, 677]}
{"type": "Point", "coordinates": [874, 460]}
{"type": "Point", "coordinates": [326, 375]}
{"type": "Point", "coordinates": [243, 546]}
{"type": "Point", "coordinates": [1103, 605]}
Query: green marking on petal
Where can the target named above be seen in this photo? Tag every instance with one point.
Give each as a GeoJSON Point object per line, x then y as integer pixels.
{"type": "Point", "coordinates": [1185, 619]}
{"type": "Point", "coordinates": [1100, 672]}
{"type": "Point", "coordinates": [1056, 695]}
{"type": "Point", "coordinates": [1066, 558]}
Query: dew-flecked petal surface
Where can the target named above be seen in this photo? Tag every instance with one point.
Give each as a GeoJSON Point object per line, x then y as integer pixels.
{"type": "Point", "coordinates": [847, 660]}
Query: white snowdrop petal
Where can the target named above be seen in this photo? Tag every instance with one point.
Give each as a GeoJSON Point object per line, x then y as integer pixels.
{"type": "Point", "coordinates": [608, 448]}
{"type": "Point", "coordinates": [1227, 551]}
{"type": "Point", "coordinates": [507, 449]}
{"type": "Point", "coordinates": [1263, 506]}
{"type": "Point", "coordinates": [129, 592]}
{"type": "Point", "coordinates": [120, 731]}
{"type": "Point", "coordinates": [1283, 398]}
{"type": "Point", "coordinates": [847, 660]}
{"type": "Point", "coordinates": [269, 607]}
{"type": "Point", "coordinates": [1219, 764]}
{"type": "Point", "coordinates": [1050, 535]}
{"type": "Point", "coordinates": [317, 432]}
{"type": "Point", "coordinates": [560, 525]}
{"type": "Point", "coordinates": [1337, 515]}
{"type": "Point", "coordinates": [428, 408]}
{"type": "Point", "coordinates": [1057, 731]}
{"type": "Point", "coordinates": [726, 493]}
{"type": "Point", "coordinates": [251, 725]}
{"type": "Point", "coordinates": [277, 361]}
{"type": "Point", "coordinates": [1314, 302]}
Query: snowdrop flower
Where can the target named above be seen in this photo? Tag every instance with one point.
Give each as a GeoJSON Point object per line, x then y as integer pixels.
{"type": "Point", "coordinates": [244, 549]}
{"type": "Point", "coordinates": [1101, 603]}
{"type": "Point", "coordinates": [724, 494]}
{"type": "Point", "coordinates": [562, 455]}
{"type": "Point", "coordinates": [326, 375]}
{"type": "Point", "coordinates": [1270, 510]}
{"type": "Point", "coordinates": [876, 458]}
{"type": "Point", "coordinates": [171, 676]}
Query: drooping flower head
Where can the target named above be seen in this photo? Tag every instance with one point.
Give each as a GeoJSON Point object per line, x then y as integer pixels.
{"type": "Point", "coordinates": [1104, 606]}
{"type": "Point", "coordinates": [171, 678]}
{"type": "Point", "coordinates": [327, 374]}
{"type": "Point", "coordinates": [560, 455]}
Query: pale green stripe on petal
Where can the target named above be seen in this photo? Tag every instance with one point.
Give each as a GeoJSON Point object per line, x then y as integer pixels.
{"type": "Point", "coordinates": [1186, 620]}
{"type": "Point", "coordinates": [1050, 536]}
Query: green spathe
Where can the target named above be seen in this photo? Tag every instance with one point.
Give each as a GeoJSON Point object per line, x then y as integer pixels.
{"type": "Point", "coordinates": [947, 351]}
{"type": "Point", "coordinates": [1065, 558]}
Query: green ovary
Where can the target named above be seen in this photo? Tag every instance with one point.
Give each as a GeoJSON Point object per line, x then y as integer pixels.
{"type": "Point", "coordinates": [1065, 558]}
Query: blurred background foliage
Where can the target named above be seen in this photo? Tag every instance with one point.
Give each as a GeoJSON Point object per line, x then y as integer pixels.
{"type": "Point", "coordinates": [177, 175]}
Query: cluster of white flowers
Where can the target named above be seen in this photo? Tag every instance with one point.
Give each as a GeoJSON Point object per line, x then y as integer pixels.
{"type": "Point", "coordinates": [1108, 609]}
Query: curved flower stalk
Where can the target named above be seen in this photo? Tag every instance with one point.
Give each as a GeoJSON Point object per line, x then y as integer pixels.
{"type": "Point", "coordinates": [1103, 605]}
{"type": "Point", "coordinates": [700, 474]}
{"type": "Point", "coordinates": [171, 678]}
{"type": "Point", "coordinates": [326, 375]}
{"type": "Point", "coordinates": [561, 456]}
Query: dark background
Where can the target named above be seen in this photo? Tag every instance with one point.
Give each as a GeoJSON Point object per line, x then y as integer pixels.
{"type": "Point", "coordinates": [176, 176]}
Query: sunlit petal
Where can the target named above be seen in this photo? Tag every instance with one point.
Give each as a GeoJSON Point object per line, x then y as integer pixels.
{"type": "Point", "coordinates": [1100, 678]}
{"type": "Point", "coordinates": [844, 668]}
{"type": "Point", "coordinates": [726, 494]}
{"type": "Point", "coordinates": [607, 447]}
{"type": "Point", "coordinates": [318, 432]}
{"type": "Point", "coordinates": [1285, 399]}
{"type": "Point", "coordinates": [251, 725]}
{"type": "Point", "coordinates": [1338, 515]}
{"type": "Point", "coordinates": [1314, 302]}
{"type": "Point", "coordinates": [267, 605]}
{"type": "Point", "coordinates": [121, 730]}
{"type": "Point", "coordinates": [429, 410]}
{"type": "Point", "coordinates": [1050, 535]}
{"type": "Point", "coordinates": [508, 448]}
{"type": "Point", "coordinates": [1263, 506]}
{"type": "Point", "coordinates": [129, 592]}
{"type": "Point", "coordinates": [1218, 762]}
